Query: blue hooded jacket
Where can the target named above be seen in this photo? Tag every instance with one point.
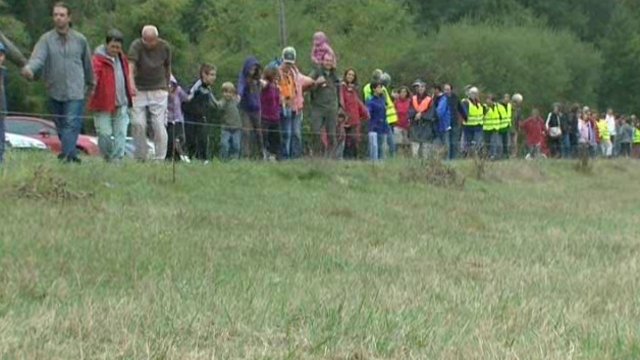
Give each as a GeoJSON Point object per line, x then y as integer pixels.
{"type": "Point", "coordinates": [249, 89]}
{"type": "Point", "coordinates": [377, 107]}
{"type": "Point", "coordinates": [445, 118]}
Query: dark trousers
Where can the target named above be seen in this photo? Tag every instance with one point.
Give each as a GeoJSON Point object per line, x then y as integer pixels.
{"type": "Point", "coordinates": [352, 142]}
{"type": "Point", "coordinates": [271, 137]}
{"type": "Point", "coordinates": [555, 146]}
{"type": "Point", "coordinates": [198, 139]}
{"type": "Point", "coordinates": [625, 149]}
{"type": "Point", "coordinates": [176, 144]}
{"type": "Point", "coordinates": [505, 139]}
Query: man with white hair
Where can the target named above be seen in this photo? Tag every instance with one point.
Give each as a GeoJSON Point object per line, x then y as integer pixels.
{"type": "Point", "coordinates": [472, 125]}
{"type": "Point", "coordinates": [150, 64]}
{"type": "Point", "coordinates": [517, 100]}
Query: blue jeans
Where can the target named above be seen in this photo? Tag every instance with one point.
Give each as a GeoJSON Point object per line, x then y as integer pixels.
{"type": "Point", "coordinates": [444, 141]}
{"type": "Point", "coordinates": [230, 143]}
{"type": "Point", "coordinates": [291, 126]}
{"type": "Point", "coordinates": [68, 120]}
{"type": "Point", "coordinates": [491, 142]}
{"type": "Point", "coordinates": [112, 132]}
{"type": "Point", "coordinates": [566, 146]}
{"type": "Point", "coordinates": [376, 142]}
{"type": "Point", "coordinates": [391, 143]}
{"type": "Point", "coordinates": [473, 138]}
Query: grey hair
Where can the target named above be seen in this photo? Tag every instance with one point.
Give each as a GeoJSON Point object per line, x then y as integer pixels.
{"type": "Point", "coordinates": [386, 79]}
{"type": "Point", "coordinates": [149, 30]}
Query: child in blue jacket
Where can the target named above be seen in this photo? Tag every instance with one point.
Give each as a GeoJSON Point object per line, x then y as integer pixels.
{"type": "Point", "coordinates": [378, 127]}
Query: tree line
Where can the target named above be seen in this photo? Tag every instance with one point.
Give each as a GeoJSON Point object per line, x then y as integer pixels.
{"type": "Point", "coordinates": [585, 51]}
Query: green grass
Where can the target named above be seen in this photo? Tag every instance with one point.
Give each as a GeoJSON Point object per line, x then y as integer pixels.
{"type": "Point", "coordinates": [318, 260]}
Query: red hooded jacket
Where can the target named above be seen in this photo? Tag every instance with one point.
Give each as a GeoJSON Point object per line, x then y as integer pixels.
{"type": "Point", "coordinates": [104, 96]}
{"type": "Point", "coordinates": [353, 106]}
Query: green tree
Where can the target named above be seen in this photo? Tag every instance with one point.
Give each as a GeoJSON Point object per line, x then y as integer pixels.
{"type": "Point", "coordinates": [621, 51]}
{"type": "Point", "coordinates": [544, 65]}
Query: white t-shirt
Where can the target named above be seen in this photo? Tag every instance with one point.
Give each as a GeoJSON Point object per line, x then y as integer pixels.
{"type": "Point", "coordinates": [611, 124]}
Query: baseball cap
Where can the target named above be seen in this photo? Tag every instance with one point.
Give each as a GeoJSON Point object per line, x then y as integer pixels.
{"type": "Point", "coordinates": [289, 55]}
{"type": "Point", "coordinates": [418, 83]}
{"type": "Point", "coordinates": [3, 49]}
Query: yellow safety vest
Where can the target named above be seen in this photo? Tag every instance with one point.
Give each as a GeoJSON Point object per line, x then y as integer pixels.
{"type": "Point", "coordinates": [392, 115]}
{"type": "Point", "coordinates": [505, 115]}
{"type": "Point", "coordinates": [636, 136]}
{"type": "Point", "coordinates": [491, 119]}
{"type": "Point", "coordinates": [476, 114]}
{"type": "Point", "coordinates": [603, 129]}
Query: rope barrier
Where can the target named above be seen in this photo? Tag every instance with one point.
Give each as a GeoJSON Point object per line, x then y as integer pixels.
{"type": "Point", "coordinates": [459, 142]}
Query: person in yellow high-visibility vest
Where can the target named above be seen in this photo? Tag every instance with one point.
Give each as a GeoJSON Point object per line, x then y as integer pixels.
{"type": "Point", "coordinates": [472, 124]}
{"type": "Point", "coordinates": [605, 138]}
{"type": "Point", "coordinates": [635, 123]}
{"type": "Point", "coordinates": [392, 116]}
{"type": "Point", "coordinates": [505, 109]}
{"type": "Point", "coordinates": [491, 126]}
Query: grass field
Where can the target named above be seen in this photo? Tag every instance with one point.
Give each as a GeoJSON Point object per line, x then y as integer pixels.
{"type": "Point", "coordinates": [318, 261]}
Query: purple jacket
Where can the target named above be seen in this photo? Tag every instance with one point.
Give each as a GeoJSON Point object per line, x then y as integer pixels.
{"type": "Point", "coordinates": [249, 89]}
{"type": "Point", "coordinates": [174, 107]}
{"type": "Point", "coordinates": [270, 103]}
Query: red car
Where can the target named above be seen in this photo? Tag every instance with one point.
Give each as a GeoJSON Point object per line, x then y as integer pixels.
{"type": "Point", "coordinates": [45, 131]}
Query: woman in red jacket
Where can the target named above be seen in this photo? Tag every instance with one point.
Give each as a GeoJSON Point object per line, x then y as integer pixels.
{"type": "Point", "coordinates": [355, 111]}
{"type": "Point", "coordinates": [403, 106]}
{"type": "Point", "coordinates": [111, 99]}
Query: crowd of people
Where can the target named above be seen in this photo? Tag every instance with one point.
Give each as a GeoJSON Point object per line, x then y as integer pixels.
{"type": "Point", "coordinates": [261, 116]}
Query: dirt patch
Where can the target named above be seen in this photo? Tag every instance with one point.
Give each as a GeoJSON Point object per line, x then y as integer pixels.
{"type": "Point", "coordinates": [434, 172]}
{"type": "Point", "coordinates": [45, 185]}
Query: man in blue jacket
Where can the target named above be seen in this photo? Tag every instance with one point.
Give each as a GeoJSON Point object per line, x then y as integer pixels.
{"type": "Point", "coordinates": [445, 119]}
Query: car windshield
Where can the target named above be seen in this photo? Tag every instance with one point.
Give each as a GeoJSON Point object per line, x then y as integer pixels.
{"type": "Point", "coordinates": [26, 127]}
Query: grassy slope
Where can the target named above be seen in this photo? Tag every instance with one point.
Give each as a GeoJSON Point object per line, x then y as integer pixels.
{"type": "Point", "coordinates": [317, 260]}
